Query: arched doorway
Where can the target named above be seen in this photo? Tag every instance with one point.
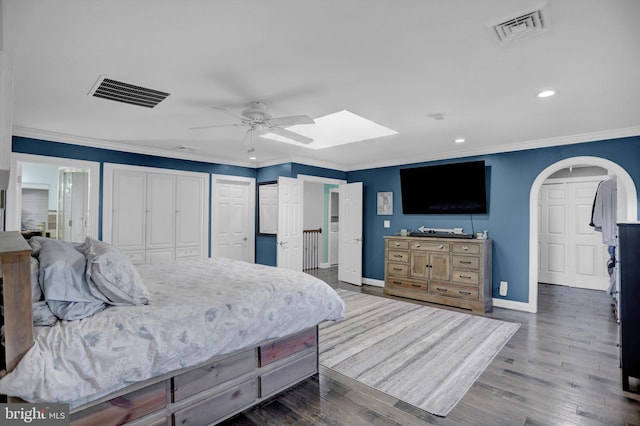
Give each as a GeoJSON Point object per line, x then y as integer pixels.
{"type": "Point", "coordinates": [627, 209]}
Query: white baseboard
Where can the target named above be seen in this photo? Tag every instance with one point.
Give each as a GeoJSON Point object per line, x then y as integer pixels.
{"type": "Point", "coordinates": [373, 282]}
{"type": "Point", "coordinates": [510, 304]}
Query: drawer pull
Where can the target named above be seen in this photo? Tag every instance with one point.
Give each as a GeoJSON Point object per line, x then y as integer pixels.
{"type": "Point", "coordinates": [465, 248]}
{"type": "Point", "coordinates": [397, 282]}
{"type": "Point", "coordinates": [415, 285]}
{"type": "Point", "coordinates": [397, 244]}
{"type": "Point", "coordinates": [441, 289]}
{"type": "Point", "coordinates": [417, 245]}
{"type": "Point", "coordinates": [397, 269]}
{"type": "Point", "coordinates": [440, 246]}
{"type": "Point", "coordinates": [466, 293]}
{"type": "Point", "coordinates": [397, 255]}
{"type": "Point", "coordinates": [466, 262]}
{"type": "Point", "coordinates": [466, 277]}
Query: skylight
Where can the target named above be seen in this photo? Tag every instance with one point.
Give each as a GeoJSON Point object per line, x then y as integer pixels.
{"type": "Point", "coordinates": [335, 129]}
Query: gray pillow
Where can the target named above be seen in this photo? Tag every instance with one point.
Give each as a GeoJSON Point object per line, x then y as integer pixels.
{"type": "Point", "coordinates": [36, 292]}
{"type": "Point", "coordinates": [113, 274]}
{"type": "Point", "coordinates": [63, 281]}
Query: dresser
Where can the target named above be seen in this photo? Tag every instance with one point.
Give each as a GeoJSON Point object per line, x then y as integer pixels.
{"type": "Point", "coordinates": [448, 271]}
{"type": "Point", "coordinates": [629, 255]}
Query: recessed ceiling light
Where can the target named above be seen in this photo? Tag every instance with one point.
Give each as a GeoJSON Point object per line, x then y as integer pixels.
{"type": "Point", "coordinates": [459, 140]}
{"type": "Point", "coordinates": [546, 93]}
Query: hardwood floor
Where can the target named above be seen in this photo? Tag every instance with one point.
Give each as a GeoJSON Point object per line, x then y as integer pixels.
{"type": "Point", "coordinates": [560, 368]}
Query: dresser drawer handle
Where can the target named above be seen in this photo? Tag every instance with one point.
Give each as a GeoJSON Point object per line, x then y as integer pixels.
{"type": "Point", "coordinates": [397, 282]}
{"type": "Point", "coordinates": [415, 285]}
{"type": "Point", "coordinates": [397, 269]}
{"type": "Point", "coordinates": [440, 246]}
{"type": "Point", "coordinates": [417, 245]}
{"type": "Point", "coordinates": [465, 262]}
{"type": "Point", "coordinates": [441, 289]}
{"type": "Point", "coordinates": [465, 248]}
{"type": "Point", "coordinates": [397, 244]}
{"type": "Point", "coordinates": [466, 277]}
{"type": "Point", "coordinates": [397, 255]}
{"type": "Point", "coordinates": [467, 293]}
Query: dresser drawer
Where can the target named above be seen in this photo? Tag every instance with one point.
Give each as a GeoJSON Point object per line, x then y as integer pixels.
{"type": "Point", "coordinates": [398, 269]}
{"type": "Point", "coordinates": [218, 406]}
{"type": "Point", "coordinates": [220, 371]}
{"type": "Point", "coordinates": [397, 244]}
{"type": "Point", "coordinates": [407, 284]}
{"type": "Point", "coordinates": [430, 246]}
{"type": "Point", "coordinates": [282, 348]}
{"type": "Point", "coordinates": [398, 256]}
{"type": "Point", "coordinates": [465, 277]}
{"type": "Point", "coordinates": [277, 380]}
{"type": "Point", "coordinates": [466, 248]}
{"type": "Point", "coordinates": [465, 262]}
{"type": "Point", "coordinates": [454, 290]}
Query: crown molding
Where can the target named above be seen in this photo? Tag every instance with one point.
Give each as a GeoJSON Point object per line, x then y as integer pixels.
{"type": "Point", "coordinates": [517, 146]}
{"type": "Point", "coordinates": [413, 159]}
{"type": "Point", "coordinates": [117, 146]}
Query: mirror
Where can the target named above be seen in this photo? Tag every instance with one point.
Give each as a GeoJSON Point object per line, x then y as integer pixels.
{"type": "Point", "coordinates": [268, 208]}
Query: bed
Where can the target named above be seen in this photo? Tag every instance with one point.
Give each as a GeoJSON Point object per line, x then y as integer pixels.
{"type": "Point", "coordinates": [248, 333]}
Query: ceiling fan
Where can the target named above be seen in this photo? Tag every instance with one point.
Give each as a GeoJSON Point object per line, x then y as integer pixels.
{"type": "Point", "coordinates": [259, 120]}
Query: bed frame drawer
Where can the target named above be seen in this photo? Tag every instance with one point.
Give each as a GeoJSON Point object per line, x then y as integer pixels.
{"type": "Point", "coordinates": [220, 371]}
{"type": "Point", "coordinates": [122, 409]}
{"type": "Point", "coordinates": [281, 378]}
{"type": "Point", "coordinates": [218, 406]}
{"type": "Point", "coordinates": [282, 348]}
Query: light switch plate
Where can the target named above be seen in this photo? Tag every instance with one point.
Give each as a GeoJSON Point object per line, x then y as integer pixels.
{"type": "Point", "coordinates": [387, 224]}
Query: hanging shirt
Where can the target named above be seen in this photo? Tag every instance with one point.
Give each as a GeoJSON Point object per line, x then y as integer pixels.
{"type": "Point", "coordinates": [604, 214]}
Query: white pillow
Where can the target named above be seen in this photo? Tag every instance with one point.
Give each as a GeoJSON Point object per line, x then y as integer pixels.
{"type": "Point", "coordinates": [113, 273]}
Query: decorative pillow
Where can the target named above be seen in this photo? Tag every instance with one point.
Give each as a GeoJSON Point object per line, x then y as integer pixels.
{"type": "Point", "coordinates": [113, 273]}
{"type": "Point", "coordinates": [36, 291]}
{"type": "Point", "coordinates": [63, 280]}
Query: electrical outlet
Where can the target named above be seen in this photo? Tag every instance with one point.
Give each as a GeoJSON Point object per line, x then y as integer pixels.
{"type": "Point", "coordinates": [504, 287]}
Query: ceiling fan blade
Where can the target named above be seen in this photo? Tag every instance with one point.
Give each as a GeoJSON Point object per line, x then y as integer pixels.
{"type": "Point", "coordinates": [216, 125]}
{"type": "Point", "coordinates": [292, 120]}
{"type": "Point", "coordinates": [291, 135]}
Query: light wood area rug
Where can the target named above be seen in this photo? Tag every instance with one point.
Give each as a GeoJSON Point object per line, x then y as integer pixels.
{"type": "Point", "coordinates": [427, 357]}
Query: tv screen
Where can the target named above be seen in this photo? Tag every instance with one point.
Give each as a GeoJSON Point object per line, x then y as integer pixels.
{"type": "Point", "coordinates": [444, 189]}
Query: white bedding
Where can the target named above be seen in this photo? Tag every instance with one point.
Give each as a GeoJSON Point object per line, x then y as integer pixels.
{"type": "Point", "coordinates": [199, 309]}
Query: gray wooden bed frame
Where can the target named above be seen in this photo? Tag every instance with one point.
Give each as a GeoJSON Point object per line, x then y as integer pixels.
{"type": "Point", "coordinates": [204, 394]}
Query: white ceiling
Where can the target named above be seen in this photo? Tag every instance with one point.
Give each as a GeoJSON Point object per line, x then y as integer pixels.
{"type": "Point", "coordinates": [394, 62]}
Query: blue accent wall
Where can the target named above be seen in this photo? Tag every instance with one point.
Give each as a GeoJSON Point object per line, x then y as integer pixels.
{"type": "Point", "coordinates": [509, 179]}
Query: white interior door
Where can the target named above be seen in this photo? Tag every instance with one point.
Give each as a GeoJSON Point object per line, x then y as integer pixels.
{"type": "Point", "coordinates": [571, 252]}
{"type": "Point", "coordinates": [350, 234]}
{"type": "Point", "coordinates": [289, 240]}
{"type": "Point", "coordinates": [233, 223]}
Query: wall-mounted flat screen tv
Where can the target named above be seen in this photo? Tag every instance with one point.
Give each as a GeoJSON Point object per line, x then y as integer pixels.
{"type": "Point", "coordinates": [458, 188]}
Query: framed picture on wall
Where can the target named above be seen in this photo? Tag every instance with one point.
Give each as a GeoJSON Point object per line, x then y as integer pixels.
{"type": "Point", "coordinates": [385, 203]}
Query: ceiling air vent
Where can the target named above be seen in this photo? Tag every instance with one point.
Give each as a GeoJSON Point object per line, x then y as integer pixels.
{"type": "Point", "coordinates": [107, 88]}
{"type": "Point", "coordinates": [523, 26]}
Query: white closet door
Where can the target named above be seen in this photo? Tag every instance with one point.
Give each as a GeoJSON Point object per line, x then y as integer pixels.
{"type": "Point", "coordinates": [129, 211]}
{"type": "Point", "coordinates": [233, 223]}
{"type": "Point", "coordinates": [571, 252]}
{"type": "Point", "coordinates": [189, 211]}
{"type": "Point", "coordinates": [161, 211]}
